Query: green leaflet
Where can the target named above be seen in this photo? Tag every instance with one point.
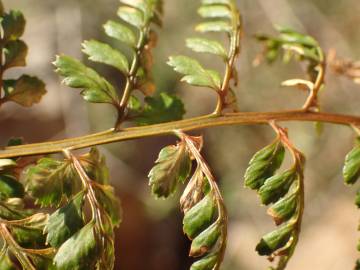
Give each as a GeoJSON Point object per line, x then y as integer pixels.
{"type": "Point", "coordinates": [14, 141]}
{"type": "Point", "coordinates": [284, 209]}
{"type": "Point", "coordinates": [351, 169]}
{"type": "Point", "coordinates": [80, 252]}
{"type": "Point", "coordinates": [206, 240]}
{"type": "Point", "coordinates": [13, 25]}
{"type": "Point", "coordinates": [200, 216]}
{"type": "Point", "coordinates": [206, 263]}
{"type": "Point", "coordinates": [120, 32]}
{"type": "Point", "coordinates": [150, 9]}
{"type": "Point", "coordinates": [214, 11]}
{"type": "Point", "coordinates": [293, 43]}
{"type": "Point", "coordinates": [289, 35]}
{"type": "Point", "coordinates": [95, 166]}
{"type": "Point", "coordinates": [65, 222]}
{"type": "Point", "coordinates": [103, 53]}
{"type": "Point", "coordinates": [206, 46]}
{"type": "Point", "coordinates": [12, 209]}
{"type": "Point", "coordinates": [110, 203]}
{"type": "Point", "coordinates": [15, 52]}
{"type": "Point", "coordinates": [211, 2]}
{"type": "Point", "coordinates": [277, 186]}
{"type": "Point", "coordinates": [76, 75]}
{"type": "Point", "coordinates": [26, 91]}
{"type": "Point", "coordinates": [10, 187]}
{"type": "Point", "coordinates": [29, 234]}
{"type": "Point", "coordinates": [132, 16]}
{"type": "Point", "coordinates": [158, 109]}
{"type": "Point", "coordinates": [357, 199]}
{"type": "Point", "coordinates": [214, 26]}
{"type": "Point", "coordinates": [195, 74]}
{"type": "Point", "coordinates": [6, 263]}
{"type": "Point", "coordinates": [172, 166]}
{"type": "Point", "coordinates": [274, 240]}
{"type": "Point", "coordinates": [50, 180]}
{"type": "Point", "coordinates": [264, 164]}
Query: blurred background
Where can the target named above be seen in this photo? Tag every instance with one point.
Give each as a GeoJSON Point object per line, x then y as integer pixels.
{"type": "Point", "coordinates": [151, 236]}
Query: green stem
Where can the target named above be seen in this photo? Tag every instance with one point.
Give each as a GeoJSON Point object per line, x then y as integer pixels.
{"type": "Point", "coordinates": [110, 136]}
{"type": "Point", "coordinates": [234, 51]}
{"type": "Point", "coordinates": [131, 78]}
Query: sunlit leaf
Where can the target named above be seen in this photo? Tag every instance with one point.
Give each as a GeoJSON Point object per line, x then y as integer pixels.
{"type": "Point", "coordinates": [120, 32]}
{"type": "Point", "coordinates": [131, 16]}
{"type": "Point", "coordinates": [214, 11]}
{"type": "Point", "coordinates": [95, 88]}
{"type": "Point", "coordinates": [206, 46]}
{"type": "Point", "coordinates": [103, 53]}
{"type": "Point", "coordinates": [214, 26]}
{"type": "Point", "coordinates": [195, 73]}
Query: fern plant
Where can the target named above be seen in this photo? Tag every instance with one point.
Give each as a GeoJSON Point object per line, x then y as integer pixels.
{"type": "Point", "coordinates": [60, 212]}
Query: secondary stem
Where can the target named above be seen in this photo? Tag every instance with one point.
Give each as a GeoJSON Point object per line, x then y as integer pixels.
{"type": "Point", "coordinates": [234, 51]}
{"type": "Point", "coordinates": [131, 78]}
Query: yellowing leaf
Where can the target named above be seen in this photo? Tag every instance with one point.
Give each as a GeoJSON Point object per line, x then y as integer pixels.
{"type": "Point", "coordinates": [25, 91]}
{"type": "Point", "coordinates": [49, 180]}
{"type": "Point", "coordinates": [15, 53]}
